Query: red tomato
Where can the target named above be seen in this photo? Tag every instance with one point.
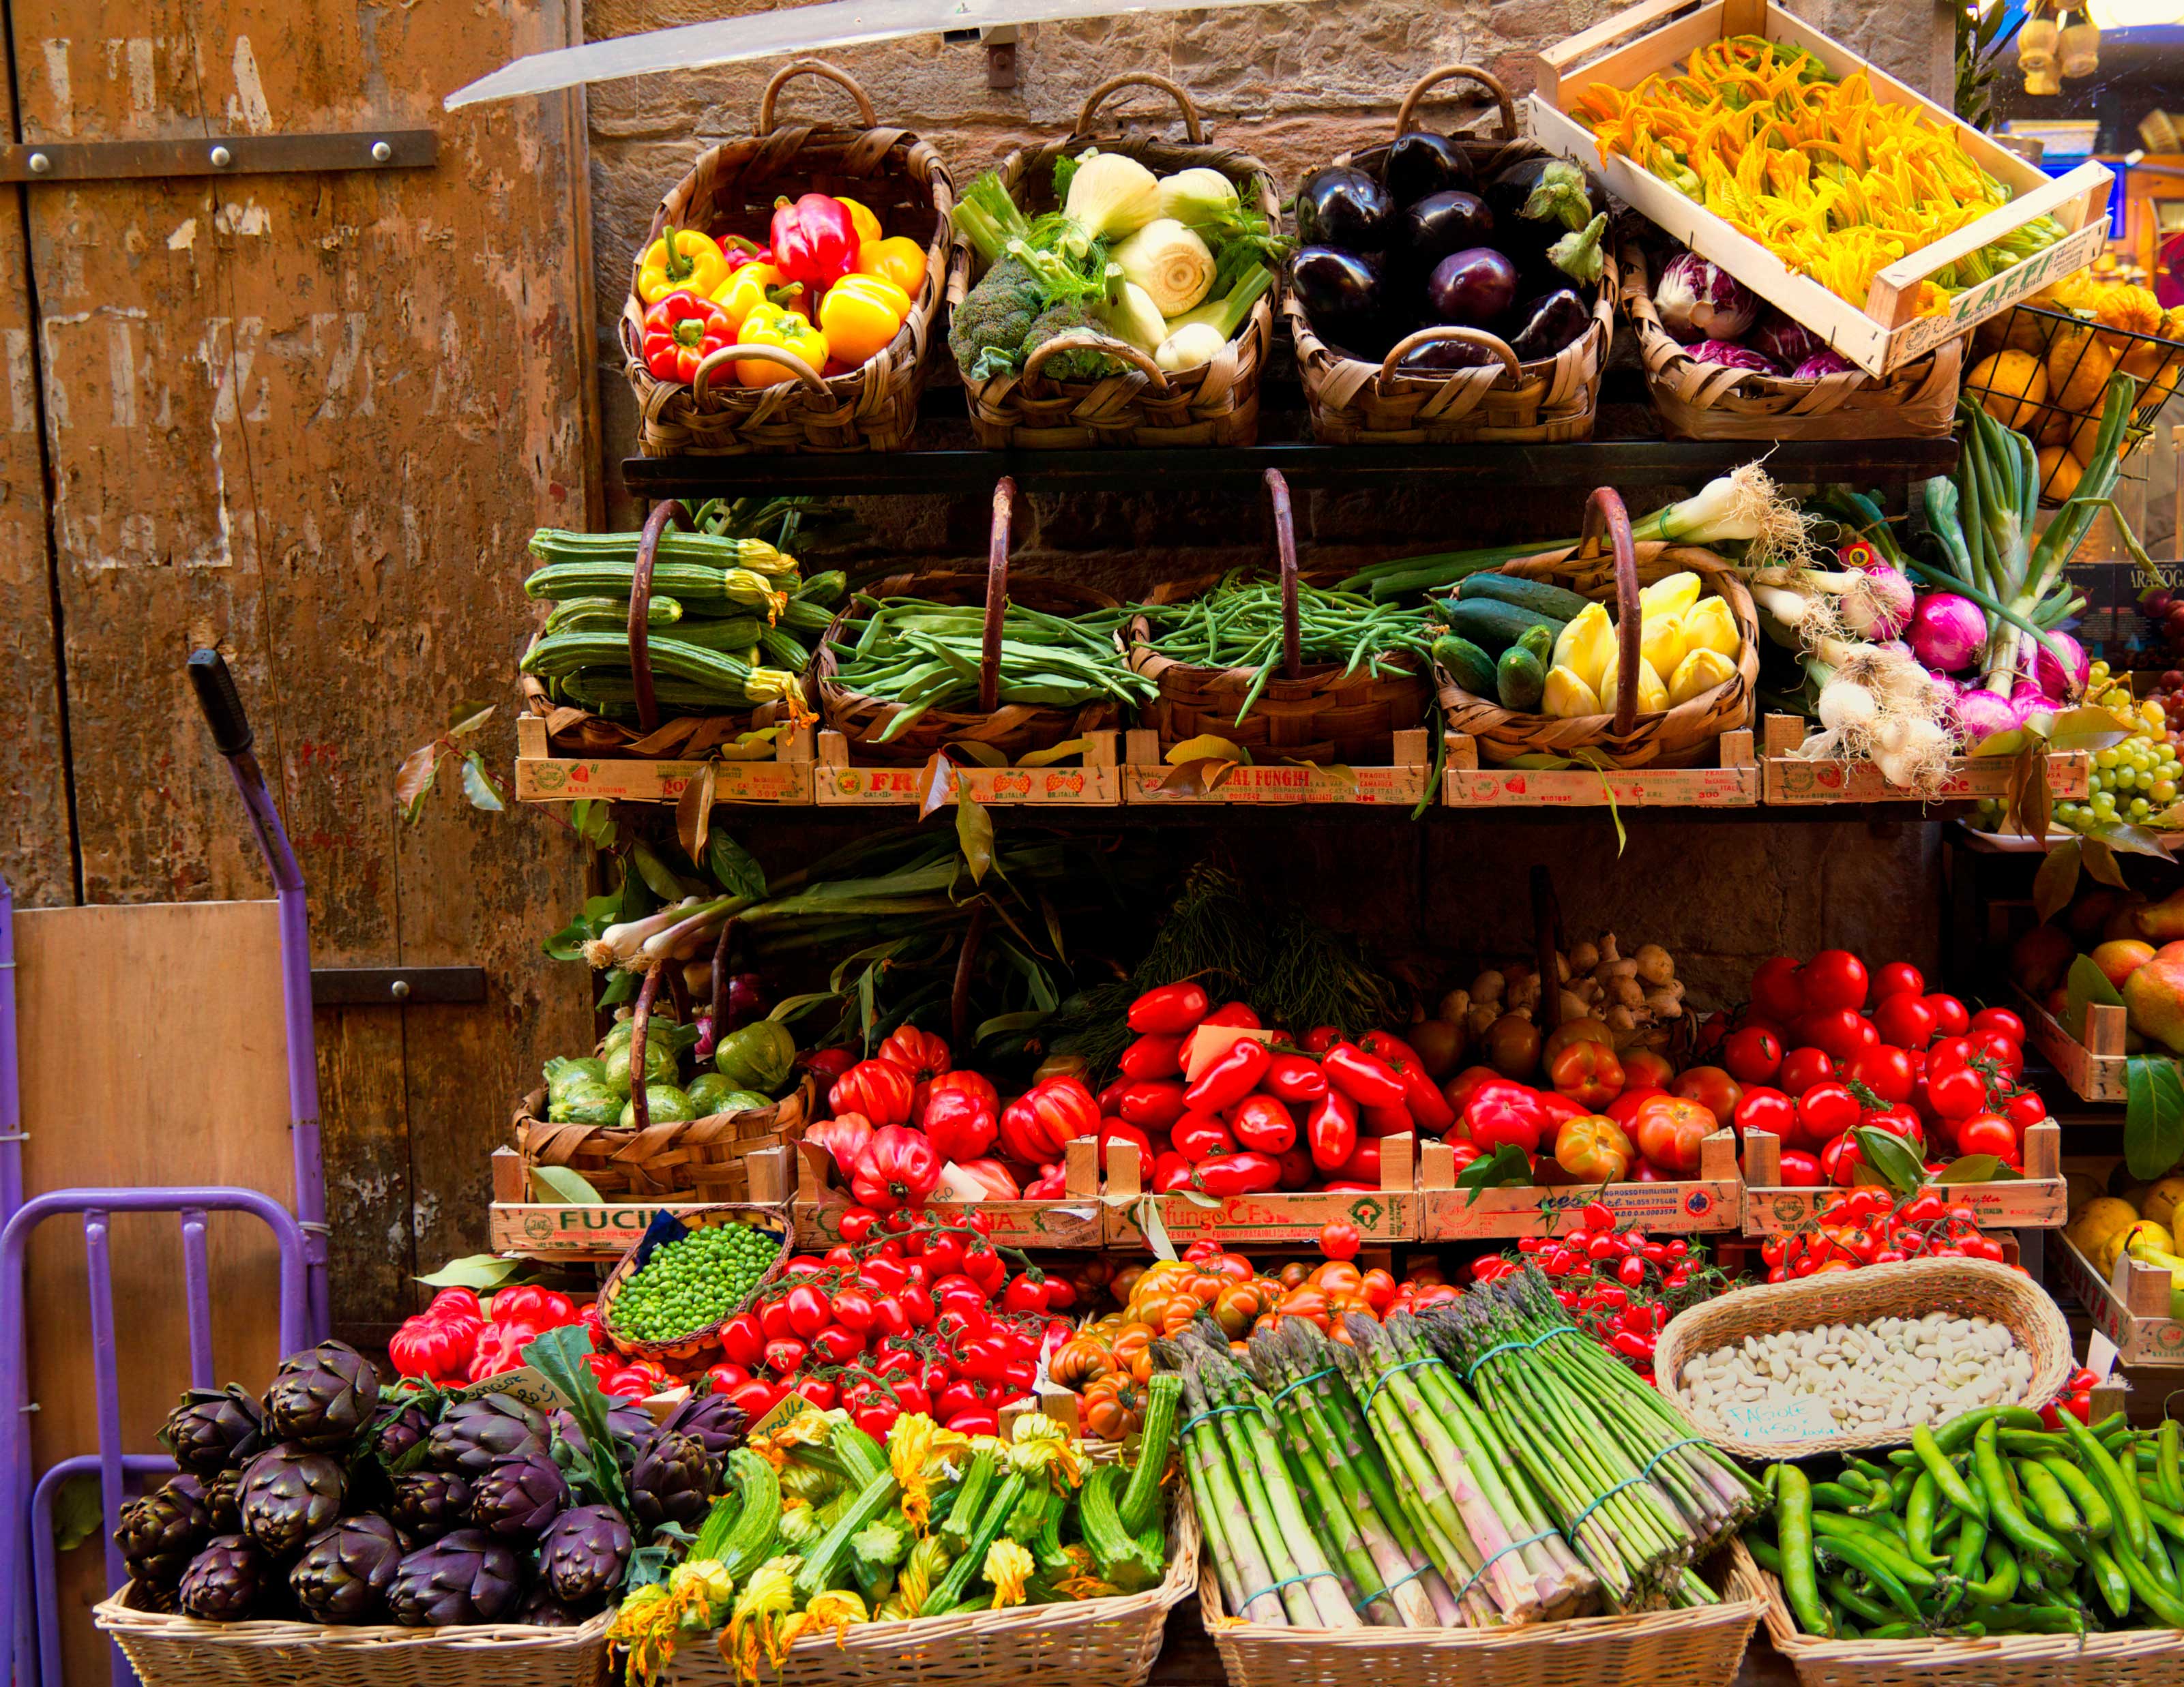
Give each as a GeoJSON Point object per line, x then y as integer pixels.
{"type": "Point", "coordinates": [1905, 1020]}
{"type": "Point", "coordinates": [1834, 1031]}
{"type": "Point", "coordinates": [1767, 1110]}
{"type": "Point", "coordinates": [1949, 1016]}
{"type": "Point", "coordinates": [1803, 1068]}
{"type": "Point", "coordinates": [1800, 1169]}
{"type": "Point", "coordinates": [1339, 1241]}
{"type": "Point", "coordinates": [2024, 1109]}
{"type": "Point", "coordinates": [1949, 1052]}
{"type": "Point", "coordinates": [1898, 978]}
{"type": "Point", "coordinates": [1897, 1122]}
{"type": "Point", "coordinates": [2004, 1051]}
{"type": "Point", "coordinates": [1753, 1056]}
{"type": "Point", "coordinates": [1776, 990]}
{"type": "Point", "coordinates": [1999, 1019]}
{"type": "Point", "coordinates": [1833, 978]}
{"type": "Point", "coordinates": [1885, 1071]}
{"type": "Point", "coordinates": [808, 1311]}
{"type": "Point", "coordinates": [1840, 1162]}
{"type": "Point", "coordinates": [838, 1346]}
{"type": "Point", "coordinates": [1988, 1133]}
{"type": "Point", "coordinates": [1712, 1089]}
{"type": "Point", "coordinates": [1956, 1094]}
{"type": "Point", "coordinates": [1623, 1109]}
{"type": "Point", "coordinates": [1826, 1110]}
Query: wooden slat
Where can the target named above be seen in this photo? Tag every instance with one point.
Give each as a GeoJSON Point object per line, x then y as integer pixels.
{"type": "Point", "coordinates": [1092, 780]}
{"type": "Point", "coordinates": [1733, 783]}
{"type": "Point", "coordinates": [1712, 1201]}
{"type": "Point", "coordinates": [1275, 783]}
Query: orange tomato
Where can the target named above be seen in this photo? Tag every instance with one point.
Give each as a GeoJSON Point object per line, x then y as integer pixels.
{"type": "Point", "coordinates": [1080, 1361]}
{"type": "Point", "coordinates": [1233, 1266]}
{"type": "Point", "coordinates": [1336, 1277]}
{"type": "Point", "coordinates": [1294, 1274]}
{"type": "Point", "coordinates": [1113, 1407]}
{"type": "Point", "coordinates": [1378, 1289]}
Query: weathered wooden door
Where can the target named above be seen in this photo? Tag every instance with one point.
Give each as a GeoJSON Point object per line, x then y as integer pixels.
{"type": "Point", "coordinates": [311, 418]}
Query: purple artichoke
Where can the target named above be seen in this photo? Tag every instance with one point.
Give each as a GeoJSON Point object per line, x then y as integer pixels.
{"type": "Point", "coordinates": [323, 1399]}
{"type": "Point", "coordinates": [585, 1554]}
{"type": "Point", "coordinates": [472, 1434]}
{"type": "Point", "coordinates": [162, 1601]}
{"type": "Point", "coordinates": [520, 1495]}
{"type": "Point", "coordinates": [288, 1495]}
{"type": "Point", "coordinates": [427, 1504]}
{"type": "Point", "coordinates": [672, 1481]}
{"type": "Point", "coordinates": [541, 1610]}
{"type": "Point", "coordinates": [466, 1577]}
{"type": "Point", "coordinates": [717, 1421]}
{"type": "Point", "coordinates": [629, 1423]}
{"type": "Point", "coordinates": [224, 1494]}
{"type": "Point", "coordinates": [346, 1570]}
{"type": "Point", "coordinates": [211, 1432]}
{"type": "Point", "coordinates": [401, 1425]}
{"type": "Point", "coordinates": [161, 1533]}
{"type": "Point", "coordinates": [227, 1581]}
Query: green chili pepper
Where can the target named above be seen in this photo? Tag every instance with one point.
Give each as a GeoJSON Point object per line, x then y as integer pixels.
{"type": "Point", "coordinates": [2169, 1461]}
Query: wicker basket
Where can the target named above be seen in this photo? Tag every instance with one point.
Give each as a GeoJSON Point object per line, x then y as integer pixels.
{"type": "Point", "coordinates": [731, 190]}
{"type": "Point", "coordinates": [2139, 1657]}
{"type": "Point", "coordinates": [1014, 729]}
{"type": "Point", "coordinates": [1357, 403]}
{"type": "Point", "coordinates": [703, 1160]}
{"type": "Point", "coordinates": [1217, 403]}
{"type": "Point", "coordinates": [1677, 737]}
{"type": "Point", "coordinates": [773, 1220]}
{"type": "Point", "coordinates": [1307, 712]}
{"type": "Point", "coordinates": [182, 1651]}
{"type": "Point", "coordinates": [1970, 1287]}
{"type": "Point", "coordinates": [1092, 1643]}
{"type": "Point", "coordinates": [1700, 1648]}
{"type": "Point", "coordinates": [1711, 401]}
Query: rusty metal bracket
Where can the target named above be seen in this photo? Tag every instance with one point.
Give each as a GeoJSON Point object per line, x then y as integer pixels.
{"type": "Point", "coordinates": [395, 986]}
{"type": "Point", "coordinates": [220, 155]}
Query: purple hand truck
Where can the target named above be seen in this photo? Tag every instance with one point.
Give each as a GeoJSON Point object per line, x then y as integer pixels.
{"type": "Point", "coordinates": [29, 1614]}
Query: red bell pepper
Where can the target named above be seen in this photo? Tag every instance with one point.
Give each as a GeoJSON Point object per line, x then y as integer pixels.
{"type": "Point", "coordinates": [1052, 1184]}
{"type": "Point", "coordinates": [1169, 1011]}
{"type": "Point", "coordinates": [1331, 1131]}
{"type": "Point", "coordinates": [898, 1169]}
{"type": "Point", "coordinates": [1119, 1130]}
{"type": "Point", "coordinates": [1363, 1165]}
{"type": "Point", "coordinates": [813, 240]}
{"type": "Point", "coordinates": [1298, 1172]}
{"type": "Point", "coordinates": [1237, 1014]}
{"type": "Point", "coordinates": [1366, 1079]}
{"type": "Point", "coordinates": [1229, 1079]}
{"type": "Point", "coordinates": [1379, 1122]}
{"type": "Point", "coordinates": [1263, 1124]}
{"type": "Point", "coordinates": [1293, 1077]}
{"type": "Point", "coordinates": [681, 330]}
{"type": "Point", "coordinates": [1171, 1173]}
{"type": "Point", "coordinates": [1320, 1038]}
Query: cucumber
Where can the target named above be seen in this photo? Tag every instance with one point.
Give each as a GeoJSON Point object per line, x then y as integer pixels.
{"type": "Point", "coordinates": [1525, 595]}
{"type": "Point", "coordinates": [1493, 625]}
{"type": "Point", "coordinates": [1540, 642]}
{"type": "Point", "coordinates": [1466, 664]}
{"type": "Point", "coordinates": [1519, 680]}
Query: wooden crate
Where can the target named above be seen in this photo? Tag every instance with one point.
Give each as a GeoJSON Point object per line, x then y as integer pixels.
{"type": "Point", "coordinates": [567, 1232]}
{"type": "Point", "coordinates": [1713, 1200]}
{"type": "Point", "coordinates": [1792, 781]}
{"type": "Point", "coordinates": [1734, 784]}
{"type": "Point", "coordinates": [1276, 1218]}
{"type": "Point", "coordinates": [2133, 1306]}
{"type": "Point", "coordinates": [1093, 783]}
{"type": "Point", "coordinates": [1887, 333]}
{"type": "Point", "coordinates": [1074, 1221]}
{"type": "Point", "coordinates": [542, 776]}
{"type": "Point", "coordinates": [2093, 1069]}
{"type": "Point", "coordinates": [2037, 1201]}
{"type": "Point", "coordinates": [1404, 784]}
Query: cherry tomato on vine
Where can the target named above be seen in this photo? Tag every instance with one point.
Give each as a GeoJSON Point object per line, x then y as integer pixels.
{"type": "Point", "coordinates": [1898, 978]}
{"type": "Point", "coordinates": [1833, 978]}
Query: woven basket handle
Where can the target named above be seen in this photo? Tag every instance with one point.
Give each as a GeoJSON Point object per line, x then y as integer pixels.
{"type": "Point", "coordinates": [1446, 73]}
{"type": "Point", "coordinates": [1098, 343]}
{"type": "Point", "coordinates": [1427, 336]}
{"type": "Point", "coordinates": [813, 67]}
{"type": "Point", "coordinates": [1277, 493]}
{"type": "Point", "coordinates": [997, 596]}
{"type": "Point", "coordinates": [639, 1017]}
{"type": "Point", "coordinates": [640, 610]}
{"type": "Point", "coordinates": [1604, 514]}
{"type": "Point", "coordinates": [701, 377]}
{"type": "Point", "coordinates": [1192, 128]}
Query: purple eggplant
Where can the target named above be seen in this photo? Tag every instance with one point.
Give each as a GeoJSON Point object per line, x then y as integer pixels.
{"type": "Point", "coordinates": [1345, 208]}
{"type": "Point", "coordinates": [1473, 288]}
{"type": "Point", "coordinates": [1422, 163]}
{"type": "Point", "coordinates": [1342, 294]}
{"type": "Point", "coordinates": [1552, 322]}
{"type": "Point", "coordinates": [1439, 356]}
{"type": "Point", "coordinates": [1440, 224]}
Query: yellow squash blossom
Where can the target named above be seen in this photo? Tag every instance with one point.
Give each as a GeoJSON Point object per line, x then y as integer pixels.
{"type": "Point", "coordinates": [832, 1611]}
{"type": "Point", "coordinates": [1008, 1566]}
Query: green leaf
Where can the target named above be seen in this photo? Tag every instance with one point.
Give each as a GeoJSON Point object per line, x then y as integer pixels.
{"type": "Point", "coordinates": [2154, 1116]}
{"type": "Point", "coordinates": [414, 779]}
{"type": "Point", "coordinates": [2057, 879]}
{"type": "Point", "coordinates": [974, 833]}
{"type": "Point", "coordinates": [620, 988]}
{"type": "Point", "coordinates": [78, 1513]}
{"type": "Point", "coordinates": [567, 1185]}
{"type": "Point", "coordinates": [970, 749]}
{"type": "Point", "coordinates": [735, 868]}
{"type": "Point", "coordinates": [594, 823]}
{"type": "Point", "coordinates": [2085, 984]}
{"type": "Point", "coordinates": [1053, 752]}
{"type": "Point", "coordinates": [477, 784]}
{"type": "Point", "coordinates": [2136, 840]}
{"type": "Point", "coordinates": [473, 1271]}
{"type": "Point", "coordinates": [790, 1007]}
{"type": "Point", "coordinates": [472, 721]}
{"type": "Point", "coordinates": [1978, 1169]}
{"type": "Point", "coordinates": [1890, 1157]}
{"type": "Point", "coordinates": [2086, 728]}
{"type": "Point", "coordinates": [563, 1357]}
{"type": "Point", "coordinates": [659, 878]}
{"type": "Point", "coordinates": [2101, 864]}
{"type": "Point", "coordinates": [1002, 1024]}
{"type": "Point", "coordinates": [1508, 1167]}
{"type": "Point", "coordinates": [568, 944]}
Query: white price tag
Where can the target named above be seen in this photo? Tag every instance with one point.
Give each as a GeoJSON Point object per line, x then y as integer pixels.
{"type": "Point", "coordinates": [1801, 1417]}
{"type": "Point", "coordinates": [2101, 1356]}
{"type": "Point", "coordinates": [1209, 1043]}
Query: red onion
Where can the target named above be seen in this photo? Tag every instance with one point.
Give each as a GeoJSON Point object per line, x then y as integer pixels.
{"type": "Point", "coordinates": [2059, 680]}
{"type": "Point", "coordinates": [1947, 631]}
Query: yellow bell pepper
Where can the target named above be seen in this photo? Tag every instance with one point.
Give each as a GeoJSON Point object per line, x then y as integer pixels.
{"type": "Point", "coordinates": [750, 285]}
{"type": "Point", "coordinates": [897, 258]}
{"type": "Point", "coordinates": [771, 324]}
{"type": "Point", "coordinates": [681, 258]}
{"type": "Point", "coordinates": [860, 315]}
{"type": "Point", "coordinates": [866, 225]}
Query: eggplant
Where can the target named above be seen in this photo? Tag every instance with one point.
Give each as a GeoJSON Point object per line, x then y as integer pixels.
{"type": "Point", "coordinates": [1422, 163]}
{"type": "Point", "coordinates": [1345, 208]}
{"type": "Point", "coordinates": [1442, 223]}
{"type": "Point", "coordinates": [1552, 322]}
{"type": "Point", "coordinates": [1535, 202]}
{"type": "Point", "coordinates": [1473, 288]}
{"type": "Point", "coordinates": [1445, 354]}
{"type": "Point", "coordinates": [1344, 298]}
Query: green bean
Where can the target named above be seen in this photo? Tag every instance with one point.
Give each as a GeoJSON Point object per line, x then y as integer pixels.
{"type": "Point", "coordinates": [2167, 1608]}
{"type": "Point", "coordinates": [1971, 1539]}
{"type": "Point", "coordinates": [1765, 1554]}
{"type": "Point", "coordinates": [2171, 1463]}
{"type": "Point", "coordinates": [1793, 1524]}
{"type": "Point", "coordinates": [1953, 1486]}
{"type": "Point", "coordinates": [2109, 1580]}
{"type": "Point", "coordinates": [2121, 1492]}
{"type": "Point", "coordinates": [2057, 1514]}
{"type": "Point", "coordinates": [1838, 1495]}
{"type": "Point", "coordinates": [1841, 1592]}
{"type": "Point", "coordinates": [2002, 1504]}
{"type": "Point", "coordinates": [2085, 1493]}
{"type": "Point", "coordinates": [1957, 1434]}
{"type": "Point", "coordinates": [1918, 1520]}
{"type": "Point", "coordinates": [1875, 1544]}
{"type": "Point", "coordinates": [2003, 1576]}
{"type": "Point", "coordinates": [1868, 1563]}
{"type": "Point", "coordinates": [2021, 1619]}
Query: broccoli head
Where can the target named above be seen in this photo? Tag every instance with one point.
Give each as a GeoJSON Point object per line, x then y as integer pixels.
{"type": "Point", "coordinates": [1077, 363]}
{"type": "Point", "coordinates": [987, 331]}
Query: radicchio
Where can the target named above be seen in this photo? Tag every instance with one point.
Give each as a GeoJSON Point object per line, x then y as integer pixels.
{"type": "Point", "coordinates": [1824, 361]}
{"type": "Point", "coordinates": [1788, 344]}
{"type": "Point", "coordinates": [1729, 356]}
{"type": "Point", "coordinates": [1695, 298]}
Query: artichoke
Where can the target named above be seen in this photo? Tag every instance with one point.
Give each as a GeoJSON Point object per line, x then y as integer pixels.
{"type": "Point", "coordinates": [427, 1503]}
{"type": "Point", "coordinates": [162, 1532]}
{"type": "Point", "coordinates": [224, 1495]}
{"type": "Point", "coordinates": [211, 1432]}
{"type": "Point", "coordinates": [400, 1425]}
{"type": "Point", "coordinates": [161, 1601]}
{"type": "Point", "coordinates": [466, 1577]}
{"type": "Point", "coordinates": [541, 1610]}
{"type": "Point", "coordinates": [227, 1581]}
{"type": "Point", "coordinates": [474, 1433]}
{"type": "Point", "coordinates": [585, 1554]}
{"type": "Point", "coordinates": [325, 1398]}
{"type": "Point", "coordinates": [519, 1496]}
{"type": "Point", "coordinates": [715, 1420]}
{"type": "Point", "coordinates": [346, 1570]}
{"type": "Point", "coordinates": [672, 1481]}
{"type": "Point", "coordinates": [288, 1495]}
